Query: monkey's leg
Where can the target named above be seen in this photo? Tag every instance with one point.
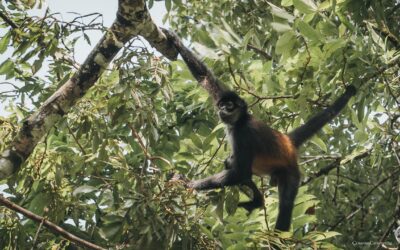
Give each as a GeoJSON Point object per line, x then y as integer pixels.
{"type": "Point", "coordinates": [258, 199]}
{"type": "Point", "coordinates": [273, 181]}
{"type": "Point", "coordinates": [226, 177]}
{"type": "Point", "coordinates": [288, 184]}
{"type": "Point", "coordinates": [228, 162]}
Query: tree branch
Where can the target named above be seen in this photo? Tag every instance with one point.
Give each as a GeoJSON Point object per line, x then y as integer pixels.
{"type": "Point", "coordinates": [8, 20]}
{"type": "Point", "coordinates": [338, 162]}
{"type": "Point", "coordinates": [259, 51]}
{"type": "Point", "coordinates": [132, 19]}
{"type": "Point", "coordinates": [323, 171]}
{"type": "Point", "coordinates": [51, 226]}
{"type": "Point", "coordinates": [361, 199]}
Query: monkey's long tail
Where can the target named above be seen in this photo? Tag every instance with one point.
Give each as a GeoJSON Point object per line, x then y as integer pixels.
{"type": "Point", "coordinates": [304, 132]}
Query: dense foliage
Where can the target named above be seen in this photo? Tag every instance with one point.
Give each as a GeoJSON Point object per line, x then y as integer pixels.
{"type": "Point", "coordinates": [102, 173]}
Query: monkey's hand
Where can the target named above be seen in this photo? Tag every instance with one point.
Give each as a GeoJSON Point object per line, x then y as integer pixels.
{"type": "Point", "coordinates": [192, 184]}
{"type": "Point", "coordinates": [351, 90]}
{"type": "Point", "coordinates": [179, 178]}
{"type": "Point", "coordinates": [185, 181]}
{"type": "Point", "coordinates": [249, 206]}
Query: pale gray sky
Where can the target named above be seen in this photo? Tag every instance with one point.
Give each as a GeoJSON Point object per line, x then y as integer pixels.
{"type": "Point", "coordinates": [107, 8]}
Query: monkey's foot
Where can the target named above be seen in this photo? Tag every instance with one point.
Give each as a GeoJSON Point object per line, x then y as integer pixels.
{"type": "Point", "coordinates": [250, 205]}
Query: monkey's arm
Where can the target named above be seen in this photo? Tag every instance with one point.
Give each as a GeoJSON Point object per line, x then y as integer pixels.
{"type": "Point", "coordinates": [312, 126]}
{"type": "Point", "coordinates": [198, 69]}
{"type": "Point", "coordinates": [224, 178]}
{"type": "Point", "coordinates": [238, 172]}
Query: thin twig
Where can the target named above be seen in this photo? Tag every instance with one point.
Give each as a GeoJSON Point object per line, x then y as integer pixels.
{"type": "Point", "coordinates": [386, 234]}
{"type": "Point", "coordinates": [264, 208]}
{"type": "Point", "coordinates": [276, 97]}
{"type": "Point", "coordinates": [343, 68]}
{"type": "Point", "coordinates": [319, 157]}
{"type": "Point", "coordinates": [323, 171]}
{"type": "Point", "coordinates": [144, 147]}
{"type": "Point", "coordinates": [306, 64]}
{"type": "Point", "coordinates": [339, 161]}
{"type": "Point", "coordinates": [336, 186]}
{"type": "Point", "coordinates": [38, 166]}
{"type": "Point", "coordinates": [232, 73]}
{"type": "Point", "coordinates": [212, 157]}
{"type": "Point", "coordinates": [37, 235]}
{"type": "Point", "coordinates": [76, 140]}
{"type": "Point", "coordinates": [259, 51]}
{"type": "Point", "coordinates": [51, 226]}
{"type": "Point", "coordinates": [362, 199]}
{"type": "Point", "coordinates": [252, 93]}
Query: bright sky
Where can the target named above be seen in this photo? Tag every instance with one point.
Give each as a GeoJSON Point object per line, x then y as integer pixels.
{"type": "Point", "coordinates": [107, 8]}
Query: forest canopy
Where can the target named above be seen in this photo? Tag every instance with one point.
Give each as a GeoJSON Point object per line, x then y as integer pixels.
{"type": "Point", "coordinates": [89, 149]}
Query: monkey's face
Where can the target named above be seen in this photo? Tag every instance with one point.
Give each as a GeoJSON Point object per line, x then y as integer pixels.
{"type": "Point", "coordinates": [230, 111]}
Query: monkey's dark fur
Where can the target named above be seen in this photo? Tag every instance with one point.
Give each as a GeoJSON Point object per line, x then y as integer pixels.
{"type": "Point", "coordinates": [257, 148]}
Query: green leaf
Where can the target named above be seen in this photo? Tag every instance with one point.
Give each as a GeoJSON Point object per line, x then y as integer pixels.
{"type": "Point", "coordinates": [302, 220]}
{"type": "Point", "coordinates": [279, 12]}
{"type": "Point", "coordinates": [231, 201]}
{"type": "Point", "coordinates": [6, 67]}
{"type": "Point", "coordinates": [150, 4]}
{"type": "Point", "coordinates": [230, 30]}
{"type": "Point", "coordinates": [37, 65]}
{"type": "Point", "coordinates": [196, 140]}
{"type": "Point", "coordinates": [205, 51]}
{"type": "Point", "coordinates": [307, 31]}
{"type": "Point", "coordinates": [360, 136]}
{"type": "Point", "coordinates": [354, 119]}
{"type": "Point", "coordinates": [280, 27]}
{"type": "Point", "coordinates": [85, 189]}
{"type": "Point", "coordinates": [206, 231]}
{"type": "Point", "coordinates": [168, 5]}
{"type": "Point", "coordinates": [38, 203]}
{"type": "Point", "coordinates": [320, 143]}
{"type": "Point", "coordinates": [111, 231]}
{"type": "Point", "coordinates": [285, 42]}
{"type": "Point", "coordinates": [318, 236]}
{"type": "Point", "coordinates": [356, 153]}
{"type": "Point", "coordinates": [305, 6]}
{"type": "Point", "coordinates": [287, 3]}
{"type": "Point", "coordinates": [87, 39]}
{"type": "Point", "coordinates": [325, 5]}
{"type": "Point", "coordinates": [5, 40]}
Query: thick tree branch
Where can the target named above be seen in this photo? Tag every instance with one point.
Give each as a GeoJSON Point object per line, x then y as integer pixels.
{"type": "Point", "coordinates": [132, 19]}
{"type": "Point", "coordinates": [51, 226]}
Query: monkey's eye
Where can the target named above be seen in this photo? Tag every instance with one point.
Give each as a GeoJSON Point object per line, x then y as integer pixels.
{"type": "Point", "coordinates": [229, 105]}
{"type": "Point", "coordinates": [226, 105]}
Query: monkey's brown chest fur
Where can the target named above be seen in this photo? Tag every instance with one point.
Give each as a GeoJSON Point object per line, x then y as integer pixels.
{"type": "Point", "coordinates": [266, 164]}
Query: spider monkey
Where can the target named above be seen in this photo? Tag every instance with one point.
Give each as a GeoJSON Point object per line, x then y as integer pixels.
{"type": "Point", "coordinates": [257, 148]}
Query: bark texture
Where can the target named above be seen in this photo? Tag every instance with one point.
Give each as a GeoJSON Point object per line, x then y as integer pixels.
{"type": "Point", "coordinates": [132, 19]}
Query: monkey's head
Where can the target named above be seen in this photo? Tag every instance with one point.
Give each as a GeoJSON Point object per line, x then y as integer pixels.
{"type": "Point", "coordinates": [231, 108]}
